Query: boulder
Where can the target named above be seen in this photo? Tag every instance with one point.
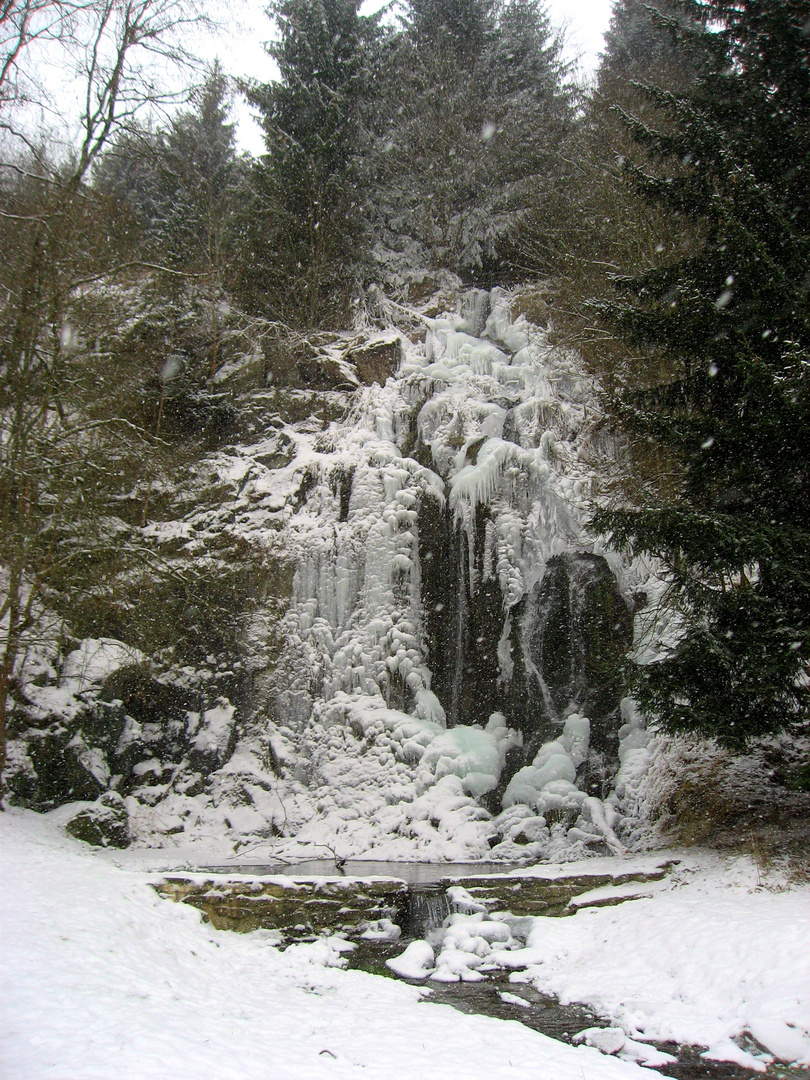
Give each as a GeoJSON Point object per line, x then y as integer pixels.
{"type": "Point", "coordinates": [323, 372]}
{"type": "Point", "coordinates": [104, 823]}
{"type": "Point", "coordinates": [377, 360]}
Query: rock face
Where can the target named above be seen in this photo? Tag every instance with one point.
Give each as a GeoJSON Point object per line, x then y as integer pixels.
{"type": "Point", "coordinates": [130, 726]}
{"type": "Point", "coordinates": [573, 631]}
{"type": "Point", "coordinates": [421, 611]}
{"type": "Point", "coordinates": [64, 767]}
{"type": "Point", "coordinates": [567, 639]}
{"type": "Point", "coordinates": [377, 360]}
{"type": "Point", "coordinates": [104, 824]}
{"type": "Point", "coordinates": [463, 628]}
{"type": "Point", "coordinates": [299, 908]}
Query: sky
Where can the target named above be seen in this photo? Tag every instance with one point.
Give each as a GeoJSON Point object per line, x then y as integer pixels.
{"type": "Point", "coordinates": [242, 54]}
{"type": "Point", "coordinates": [586, 21]}
{"type": "Point", "coordinates": [243, 28]}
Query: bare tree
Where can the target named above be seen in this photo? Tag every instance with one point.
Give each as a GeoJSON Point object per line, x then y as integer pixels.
{"type": "Point", "coordinates": [22, 24]}
{"type": "Point", "coordinates": [55, 252]}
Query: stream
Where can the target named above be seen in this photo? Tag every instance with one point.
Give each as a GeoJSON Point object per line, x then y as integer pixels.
{"type": "Point", "coordinates": [546, 1015]}
{"type": "Point", "coordinates": [422, 909]}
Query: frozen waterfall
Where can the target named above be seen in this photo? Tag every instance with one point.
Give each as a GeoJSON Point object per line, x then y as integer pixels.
{"type": "Point", "coordinates": [452, 622]}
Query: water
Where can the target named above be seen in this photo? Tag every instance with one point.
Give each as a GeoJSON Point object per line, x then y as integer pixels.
{"type": "Point", "coordinates": [414, 873]}
{"type": "Point", "coordinates": [546, 1015]}
{"type": "Point", "coordinates": [428, 907]}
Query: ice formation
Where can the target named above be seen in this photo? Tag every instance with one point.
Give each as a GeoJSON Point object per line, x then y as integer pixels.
{"type": "Point", "coordinates": [429, 521]}
{"type": "Point", "coordinates": [445, 683]}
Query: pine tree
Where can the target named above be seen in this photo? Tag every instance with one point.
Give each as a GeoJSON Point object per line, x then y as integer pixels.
{"type": "Point", "coordinates": [181, 186]}
{"type": "Point", "coordinates": [129, 174]}
{"type": "Point", "coordinates": [302, 231]}
{"type": "Point", "coordinates": [180, 183]}
{"type": "Point", "coordinates": [477, 107]}
{"type": "Point", "coordinates": [733, 417]}
{"type": "Point", "coordinates": [640, 41]}
{"type": "Point", "coordinates": [605, 227]}
{"type": "Point", "coordinates": [463, 26]}
{"type": "Point", "coordinates": [199, 176]}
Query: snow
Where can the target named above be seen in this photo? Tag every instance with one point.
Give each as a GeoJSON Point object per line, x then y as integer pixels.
{"type": "Point", "coordinates": [786, 1043]}
{"type": "Point", "coordinates": [416, 962]}
{"type": "Point", "coordinates": [611, 894]}
{"type": "Point", "coordinates": [548, 784]}
{"type": "Point", "coordinates": [513, 999]}
{"type": "Point", "coordinates": [728, 1050]}
{"type": "Point", "coordinates": [95, 660]}
{"type": "Point", "coordinates": [706, 959]}
{"type": "Point", "coordinates": [344, 743]}
{"type": "Point", "coordinates": [100, 970]}
{"type": "Point", "coordinates": [469, 753]}
{"type": "Point", "coordinates": [614, 1041]}
{"type": "Point", "coordinates": [381, 930]}
{"type": "Point", "coordinates": [709, 958]}
{"type": "Point", "coordinates": [608, 1040]}
{"type": "Point", "coordinates": [644, 1054]}
{"type": "Point", "coordinates": [215, 728]}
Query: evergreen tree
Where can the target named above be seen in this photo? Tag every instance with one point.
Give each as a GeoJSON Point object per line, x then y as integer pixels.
{"type": "Point", "coordinates": [605, 227]}
{"type": "Point", "coordinates": [463, 27]}
{"type": "Point", "coordinates": [302, 230]}
{"type": "Point", "coordinates": [477, 108]}
{"type": "Point", "coordinates": [733, 323]}
{"type": "Point", "coordinates": [129, 174]}
{"type": "Point", "coordinates": [180, 183]}
{"type": "Point", "coordinates": [640, 40]}
{"type": "Point", "coordinates": [199, 176]}
{"type": "Point", "coordinates": [181, 186]}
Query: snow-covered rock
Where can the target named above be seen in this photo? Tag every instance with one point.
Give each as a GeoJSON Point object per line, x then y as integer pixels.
{"type": "Point", "coordinates": [416, 962]}
{"type": "Point", "coordinates": [104, 823]}
{"type": "Point", "coordinates": [428, 665]}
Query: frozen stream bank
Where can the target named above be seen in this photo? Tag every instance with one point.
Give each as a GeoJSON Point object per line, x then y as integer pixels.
{"type": "Point", "coordinates": [102, 969]}
{"type": "Point", "coordinates": [482, 944]}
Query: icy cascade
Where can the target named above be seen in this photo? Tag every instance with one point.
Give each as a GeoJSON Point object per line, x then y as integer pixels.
{"type": "Point", "coordinates": [467, 431]}
{"type": "Point", "coordinates": [430, 666]}
{"type": "Point", "coordinates": [428, 907]}
{"type": "Point", "coordinates": [447, 606]}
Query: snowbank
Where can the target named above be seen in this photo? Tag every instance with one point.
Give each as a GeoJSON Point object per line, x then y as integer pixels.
{"type": "Point", "coordinates": [710, 959]}
{"type": "Point", "coordinates": [99, 974]}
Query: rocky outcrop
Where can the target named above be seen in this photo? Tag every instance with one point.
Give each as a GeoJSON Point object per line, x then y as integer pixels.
{"type": "Point", "coordinates": [131, 731]}
{"type": "Point", "coordinates": [394, 545]}
{"type": "Point", "coordinates": [298, 908]}
{"type": "Point", "coordinates": [103, 824]}
{"type": "Point", "coordinates": [573, 631]}
{"type": "Point", "coordinates": [375, 361]}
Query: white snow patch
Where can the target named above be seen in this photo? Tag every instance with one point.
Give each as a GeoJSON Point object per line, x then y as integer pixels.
{"type": "Point", "coordinates": [416, 962]}
{"type": "Point", "coordinates": [722, 956]}
{"type": "Point", "coordinates": [101, 970]}
{"type": "Point", "coordinates": [94, 661]}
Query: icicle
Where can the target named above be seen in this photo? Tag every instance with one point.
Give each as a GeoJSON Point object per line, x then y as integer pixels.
{"type": "Point", "coordinates": [596, 810]}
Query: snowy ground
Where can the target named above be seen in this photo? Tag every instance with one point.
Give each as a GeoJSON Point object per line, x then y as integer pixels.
{"type": "Point", "coordinates": [101, 977]}
{"type": "Point", "coordinates": [710, 957]}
